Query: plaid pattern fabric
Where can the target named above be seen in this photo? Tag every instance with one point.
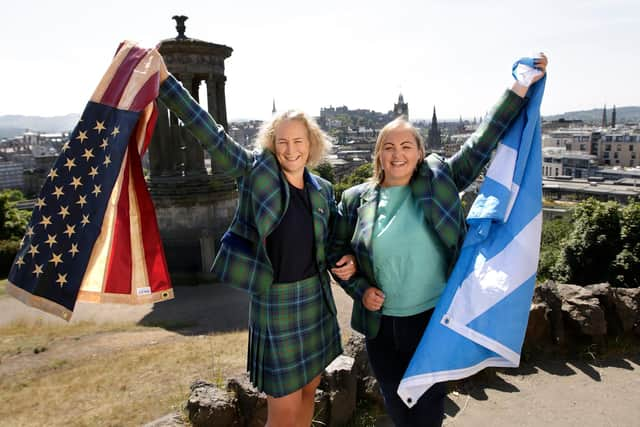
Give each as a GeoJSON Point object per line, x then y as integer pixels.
{"type": "Point", "coordinates": [293, 336]}
{"type": "Point", "coordinates": [435, 188]}
{"type": "Point", "coordinates": [263, 197]}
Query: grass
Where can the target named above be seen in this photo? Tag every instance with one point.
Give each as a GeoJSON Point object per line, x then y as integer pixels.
{"type": "Point", "coordinates": [124, 386]}
{"type": "Point", "coordinates": [3, 288]}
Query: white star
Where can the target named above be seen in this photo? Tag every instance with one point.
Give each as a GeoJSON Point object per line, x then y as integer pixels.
{"type": "Point", "coordinates": [62, 279]}
{"type": "Point", "coordinates": [71, 229]}
{"type": "Point", "coordinates": [99, 126]}
{"type": "Point", "coordinates": [58, 192]}
{"type": "Point", "coordinates": [56, 259]}
{"type": "Point", "coordinates": [40, 203]}
{"type": "Point", "coordinates": [88, 154]}
{"type": "Point", "coordinates": [38, 270]}
{"type": "Point", "coordinates": [82, 136]}
{"type": "Point", "coordinates": [51, 240]}
{"type": "Point", "coordinates": [74, 249]}
{"type": "Point", "coordinates": [64, 211]}
{"type": "Point", "coordinates": [82, 201]}
{"type": "Point", "coordinates": [76, 182]}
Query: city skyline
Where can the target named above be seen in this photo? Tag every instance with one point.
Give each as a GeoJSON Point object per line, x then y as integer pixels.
{"type": "Point", "coordinates": [455, 55]}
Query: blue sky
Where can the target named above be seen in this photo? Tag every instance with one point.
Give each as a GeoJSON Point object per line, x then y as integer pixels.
{"type": "Point", "coordinates": [455, 54]}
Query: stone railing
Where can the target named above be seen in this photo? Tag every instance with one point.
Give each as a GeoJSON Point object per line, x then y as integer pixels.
{"type": "Point", "coordinates": [563, 319]}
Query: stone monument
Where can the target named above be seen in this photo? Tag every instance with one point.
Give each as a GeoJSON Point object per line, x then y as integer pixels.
{"type": "Point", "coordinates": [194, 205]}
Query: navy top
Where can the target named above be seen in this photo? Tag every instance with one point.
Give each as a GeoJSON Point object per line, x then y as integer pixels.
{"type": "Point", "coordinates": [290, 246]}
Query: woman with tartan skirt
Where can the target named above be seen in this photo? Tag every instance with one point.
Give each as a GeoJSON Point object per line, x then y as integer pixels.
{"type": "Point", "coordinates": [276, 249]}
{"type": "Point", "coordinates": [406, 227]}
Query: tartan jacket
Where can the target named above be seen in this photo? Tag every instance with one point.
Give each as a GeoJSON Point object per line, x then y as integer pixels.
{"type": "Point", "coordinates": [435, 187]}
{"type": "Point", "coordinates": [242, 259]}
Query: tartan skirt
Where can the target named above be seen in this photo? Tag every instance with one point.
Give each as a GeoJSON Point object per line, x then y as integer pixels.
{"type": "Point", "coordinates": [293, 336]}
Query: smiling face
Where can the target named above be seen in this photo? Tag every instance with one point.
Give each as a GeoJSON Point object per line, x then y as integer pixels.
{"type": "Point", "coordinates": [292, 147]}
{"type": "Point", "coordinates": [399, 156]}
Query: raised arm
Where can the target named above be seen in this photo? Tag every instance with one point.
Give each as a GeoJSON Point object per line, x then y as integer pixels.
{"type": "Point", "coordinates": [228, 156]}
{"type": "Point", "coordinates": [474, 154]}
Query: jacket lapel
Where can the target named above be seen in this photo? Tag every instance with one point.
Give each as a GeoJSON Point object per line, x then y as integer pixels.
{"type": "Point", "coordinates": [363, 236]}
{"type": "Point", "coordinates": [421, 191]}
{"type": "Point", "coordinates": [270, 194]}
{"type": "Point", "coordinates": [320, 213]}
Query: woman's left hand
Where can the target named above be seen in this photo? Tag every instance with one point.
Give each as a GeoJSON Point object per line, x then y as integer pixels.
{"type": "Point", "coordinates": [540, 63]}
{"type": "Point", "coordinates": [345, 267]}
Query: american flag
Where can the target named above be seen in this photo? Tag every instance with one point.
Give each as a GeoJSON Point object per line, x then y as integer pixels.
{"type": "Point", "coordinates": [93, 234]}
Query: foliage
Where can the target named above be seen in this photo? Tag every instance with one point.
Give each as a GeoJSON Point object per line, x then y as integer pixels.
{"type": "Point", "coordinates": [361, 174]}
{"type": "Point", "coordinates": [325, 170]}
{"type": "Point", "coordinates": [600, 244]}
{"type": "Point", "coordinates": [626, 267]}
{"type": "Point", "coordinates": [554, 235]}
{"type": "Point", "coordinates": [13, 221]}
{"type": "Point", "coordinates": [8, 251]}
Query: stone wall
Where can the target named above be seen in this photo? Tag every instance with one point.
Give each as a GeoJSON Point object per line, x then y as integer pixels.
{"type": "Point", "coordinates": [563, 319]}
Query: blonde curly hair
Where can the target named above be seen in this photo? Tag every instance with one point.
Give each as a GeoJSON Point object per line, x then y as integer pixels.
{"type": "Point", "coordinates": [319, 141]}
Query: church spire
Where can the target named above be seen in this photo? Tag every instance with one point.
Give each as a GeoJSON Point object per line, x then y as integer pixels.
{"type": "Point", "coordinates": [273, 108]}
{"type": "Point", "coordinates": [434, 138]}
{"type": "Point", "coordinates": [613, 116]}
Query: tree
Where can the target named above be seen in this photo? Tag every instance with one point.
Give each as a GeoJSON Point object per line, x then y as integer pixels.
{"type": "Point", "coordinates": [13, 221]}
{"type": "Point", "coordinates": [325, 170]}
{"type": "Point", "coordinates": [626, 267]}
{"type": "Point", "coordinates": [554, 236]}
{"type": "Point", "coordinates": [361, 174]}
{"type": "Point", "coordinates": [592, 245]}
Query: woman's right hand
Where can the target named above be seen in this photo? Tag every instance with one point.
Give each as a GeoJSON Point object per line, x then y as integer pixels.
{"type": "Point", "coordinates": [373, 298]}
{"type": "Point", "coordinates": [164, 72]}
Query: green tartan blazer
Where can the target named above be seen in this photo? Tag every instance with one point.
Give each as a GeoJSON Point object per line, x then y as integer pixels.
{"type": "Point", "coordinates": [263, 199]}
{"type": "Point", "coordinates": [435, 187]}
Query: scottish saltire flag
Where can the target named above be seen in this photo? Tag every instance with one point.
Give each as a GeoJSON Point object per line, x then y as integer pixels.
{"type": "Point", "coordinates": [93, 234]}
{"type": "Point", "coordinates": [481, 318]}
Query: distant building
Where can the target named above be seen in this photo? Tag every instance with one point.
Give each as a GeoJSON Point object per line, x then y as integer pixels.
{"type": "Point", "coordinates": [401, 108]}
{"type": "Point", "coordinates": [618, 146]}
{"type": "Point", "coordinates": [434, 140]}
{"type": "Point", "coordinates": [557, 161]}
{"type": "Point", "coordinates": [572, 189]}
{"type": "Point", "coordinates": [11, 175]}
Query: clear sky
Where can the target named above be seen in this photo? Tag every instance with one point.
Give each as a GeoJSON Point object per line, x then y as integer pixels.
{"type": "Point", "coordinates": [455, 54]}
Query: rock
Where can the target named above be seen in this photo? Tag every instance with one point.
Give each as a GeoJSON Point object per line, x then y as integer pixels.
{"type": "Point", "coordinates": [582, 310]}
{"type": "Point", "coordinates": [322, 409]}
{"type": "Point", "coordinates": [627, 304]}
{"type": "Point", "coordinates": [208, 406]}
{"type": "Point", "coordinates": [252, 404]}
{"type": "Point", "coordinates": [547, 293]}
{"type": "Point", "coordinates": [339, 380]}
{"type": "Point", "coordinates": [369, 390]}
{"type": "Point", "coordinates": [538, 335]}
{"type": "Point", "coordinates": [356, 348]}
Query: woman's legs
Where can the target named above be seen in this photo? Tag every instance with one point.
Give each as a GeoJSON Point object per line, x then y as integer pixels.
{"type": "Point", "coordinates": [389, 354]}
{"type": "Point", "coordinates": [294, 409]}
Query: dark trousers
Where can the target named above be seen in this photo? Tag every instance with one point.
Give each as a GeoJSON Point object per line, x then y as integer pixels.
{"type": "Point", "coordinates": [389, 355]}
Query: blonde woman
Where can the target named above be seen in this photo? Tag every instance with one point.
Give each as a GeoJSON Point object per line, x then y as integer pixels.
{"type": "Point", "coordinates": [406, 227]}
{"type": "Point", "coordinates": [276, 249]}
